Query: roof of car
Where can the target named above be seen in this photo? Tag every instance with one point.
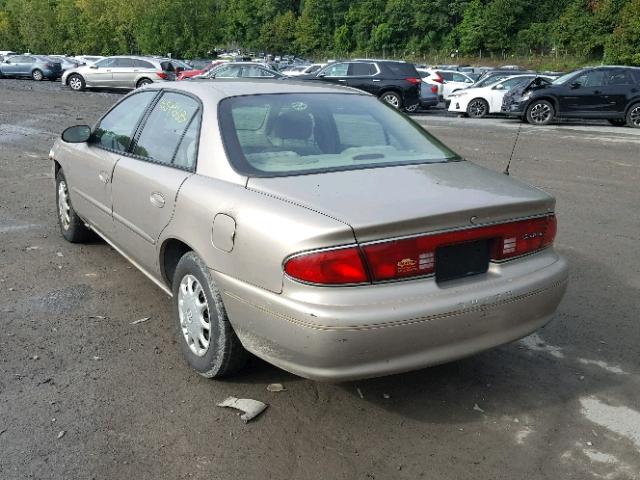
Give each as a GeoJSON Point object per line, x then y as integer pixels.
{"type": "Point", "coordinates": [216, 90]}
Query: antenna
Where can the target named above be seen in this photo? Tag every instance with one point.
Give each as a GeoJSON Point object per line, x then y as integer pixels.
{"type": "Point", "coordinates": [506, 170]}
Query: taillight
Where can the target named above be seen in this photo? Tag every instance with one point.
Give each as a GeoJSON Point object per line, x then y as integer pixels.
{"type": "Point", "coordinates": [434, 89]}
{"type": "Point", "coordinates": [162, 75]}
{"type": "Point", "coordinates": [49, 65]}
{"type": "Point", "coordinates": [413, 80]}
{"type": "Point", "coordinates": [416, 256]}
{"type": "Point", "coordinates": [329, 267]}
{"type": "Point", "coordinates": [437, 78]}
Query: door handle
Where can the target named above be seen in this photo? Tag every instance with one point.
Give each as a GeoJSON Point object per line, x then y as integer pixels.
{"type": "Point", "coordinates": [157, 200]}
{"type": "Point", "coordinates": [377, 80]}
{"type": "Point", "coordinates": [342, 80]}
{"type": "Point", "coordinates": [104, 177]}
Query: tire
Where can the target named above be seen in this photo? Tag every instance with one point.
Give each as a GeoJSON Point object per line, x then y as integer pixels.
{"type": "Point", "coordinates": [142, 82]}
{"type": "Point", "coordinates": [477, 108]}
{"type": "Point", "coordinates": [76, 82]}
{"type": "Point", "coordinates": [633, 116]}
{"type": "Point", "coordinates": [540, 112]}
{"type": "Point", "coordinates": [393, 99]}
{"type": "Point", "coordinates": [71, 225]}
{"type": "Point", "coordinates": [37, 75]}
{"type": "Point", "coordinates": [217, 351]}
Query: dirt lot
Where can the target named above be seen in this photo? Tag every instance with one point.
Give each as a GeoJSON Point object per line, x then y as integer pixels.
{"type": "Point", "coordinates": [562, 404]}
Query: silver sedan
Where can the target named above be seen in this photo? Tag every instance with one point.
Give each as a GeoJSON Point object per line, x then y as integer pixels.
{"type": "Point", "coordinates": [310, 225]}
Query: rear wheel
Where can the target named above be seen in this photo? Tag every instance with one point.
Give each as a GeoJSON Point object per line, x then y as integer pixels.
{"type": "Point", "coordinates": [477, 108]}
{"type": "Point", "coordinates": [540, 112]}
{"type": "Point", "coordinates": [71, 225]}
{"type": "Point", "coordinates": [142, 82]}
{"type": "Point", "coordinates": [206, 337]}
{"type": "Point", "coordinates": [393, 99]}
{"type": "Point", "coordinates": [76, 82]}
{"type": "Point", "coordinates": [37, 75]}
{"type": "Point", "coordinates": [633, 116]}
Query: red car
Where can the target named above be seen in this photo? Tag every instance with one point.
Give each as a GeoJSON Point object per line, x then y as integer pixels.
{"type": "Point", "coordinates": [192, 73]}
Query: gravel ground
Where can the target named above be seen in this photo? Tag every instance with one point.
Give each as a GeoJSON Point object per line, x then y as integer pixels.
{"type": "Point", "coordinates": [84, 394]}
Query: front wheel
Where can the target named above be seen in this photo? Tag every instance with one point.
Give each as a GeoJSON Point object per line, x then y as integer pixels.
{"type": "Point", "coordinates": [37, 75]}
{"type": "Point", "coordinates": [478, 108]}
{"type": "Point", "coordinates": [76, 82]}
{"type": "Point", "coordinates": [633, 116]}
{"type": "Point", "coordinates": [540, 112]}
{"type": "Point", "coordinates": [142, 82]}
{"type": "Point", "coordinates": [72, 227]}
{"type": "Point", "coordinates": [206, 337]}
{"type": "Point", "coordinates": [393, 99]}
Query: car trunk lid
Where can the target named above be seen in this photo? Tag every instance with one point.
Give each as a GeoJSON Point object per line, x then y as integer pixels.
{"type": "Point", "coordinates": [382, 203]}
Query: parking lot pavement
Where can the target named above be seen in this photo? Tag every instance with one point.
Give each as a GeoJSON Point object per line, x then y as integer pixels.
{"type": "Point", "coordinates": [86, 394]}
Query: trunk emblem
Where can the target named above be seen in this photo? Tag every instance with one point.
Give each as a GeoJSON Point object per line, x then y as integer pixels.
{"type": "Point", "coordinates": [473, 220]}
{"type": "Point", "coordinates": [407, 265]}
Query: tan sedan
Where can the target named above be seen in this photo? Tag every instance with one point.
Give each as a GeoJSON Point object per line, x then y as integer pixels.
{"type": "Point", "coordinates": [310, 225]}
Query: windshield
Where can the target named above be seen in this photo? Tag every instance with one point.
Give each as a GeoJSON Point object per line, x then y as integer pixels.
{"type": "Point", "coordinates": [564, 78]}
{"type": "Point", "coordinates": [288, 134]}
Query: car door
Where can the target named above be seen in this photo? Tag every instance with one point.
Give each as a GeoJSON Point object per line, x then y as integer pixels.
{"type": "Point", "coordinates": [11, 65]}
{"type": "Point", "coordinates": [334, 73]}
{"type": "Point", "coordinates": [100, 73]}
{"type": "Point", "coordinates": [123, 75]}
{"type": "Point", "coordinates": [91, 164]}
{"type": "Point", "coordinates": [583, 94]}
{"type": "Point", "coordinates": [617, 90]}
{"type": "Point", "coordinates": [361, 75]}
{"type": "Point", "coordinates": [146, 182]}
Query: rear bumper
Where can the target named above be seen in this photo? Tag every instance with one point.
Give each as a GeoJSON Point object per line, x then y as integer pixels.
{"type": "Point", "coordinates": [427, 102]}
{"type": "Point", "coordinates": [339, 334]}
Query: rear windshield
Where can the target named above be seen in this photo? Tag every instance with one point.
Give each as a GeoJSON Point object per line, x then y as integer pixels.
{"type": "Point", "coordinates": [402, 69]}
{"type": "Point", "coordinates": [289, 134]}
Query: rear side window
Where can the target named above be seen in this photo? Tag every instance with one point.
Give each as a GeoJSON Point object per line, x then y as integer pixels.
{"type": "Point", "coordinates": [619, 77]}
{"type": "Point", "coordinates": [362, 69]}
{"type": "Point", "coordinates": [118, 126]}
{"type": "Point", "coordinates": [165, 128]}
{"type": "Point", "coordinates": [142, 64]}
{"type": "Point", "coordinates": [289, 134]}
{"type": "Point", "coordinates": [402, 69]}
{"type": "Point", "coordinates": [123, 63]}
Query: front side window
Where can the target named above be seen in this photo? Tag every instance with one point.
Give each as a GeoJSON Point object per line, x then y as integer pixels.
{"type": "Point", "coordinates": [594, 78]}
{"type": "Point", "coordinates": [107, 62]}
{"type": "Point", "coordinates": [165, 127]}
{"type": "Point", "coordinates": [279, 135]}
{"type": "Point", "coordinates": [228, 72]}
{"type": "Point", "coordinates": [116, 128]}
{"type": "Point", "coordinates": [337, 70]}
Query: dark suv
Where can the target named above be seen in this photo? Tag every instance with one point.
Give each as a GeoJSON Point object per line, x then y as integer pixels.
{"type": "Point", "coordinates": [609, 92]}
{"type": "Point", "coordinates": [397, 83]}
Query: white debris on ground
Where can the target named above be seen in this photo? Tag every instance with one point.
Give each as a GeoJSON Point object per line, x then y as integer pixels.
{"type": "Point", "coordinates": [275, 387]}
{"type": "Point", "coordinates": [621, 420]}
{"type": "Point", "coordinates": [604, 365]}
{"type": "Point", "coordinates": [522, 434]}
{"type": "Point", "coordinates": [136, 322]}
{"type": "Point", "coordinates": [536, 343]}
{"type": "Point", "coordinates": [250, 408]}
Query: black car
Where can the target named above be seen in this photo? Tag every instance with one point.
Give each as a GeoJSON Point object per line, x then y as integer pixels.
{"type": "Point", "coordinates": [609, 92]}
{"type": "Point", "coordinates": [397, 83]}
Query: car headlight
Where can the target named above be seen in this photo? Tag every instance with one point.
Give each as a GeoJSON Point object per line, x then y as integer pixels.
{"type": "Point", "coordinates": [526, 96]}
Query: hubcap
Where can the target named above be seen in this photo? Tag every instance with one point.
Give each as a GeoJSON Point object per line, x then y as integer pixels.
{"type": "Point", "coordinates": [540, 113]}
{"type": "Point", "coordinates": [193, 310]}
{"type": "Point", "coordinates": [392, 100]}
{"type": "Point", "coordinates": [477, 108]}
{"type": "Point", "coordinates": [635, 117]}
{"type": "Point", "coordinates": [64, 208]}
{"type": "Point", "coordinates": [75, 83]}
{"type": "Point", "coordinates": [37, 75]}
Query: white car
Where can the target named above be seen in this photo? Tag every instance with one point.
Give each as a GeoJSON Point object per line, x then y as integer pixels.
{"type": "Point", "coordinates": [453, 82]}
{"type": "Point", "coordinates": [303, 69]}
{"type": "Point", "coordinates": [479, 102]}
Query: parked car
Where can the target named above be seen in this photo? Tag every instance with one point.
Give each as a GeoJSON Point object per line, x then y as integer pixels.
{"type": "Point", "coordinates": [491, 77]}
{"type": "Point", "coordinates": [429, 96]}
{"type": "Point", "coordinates": [609, 92]}
{"type": "Point", "coordinates": [432, 78]}
{"type": "Point", "coordinates": [454, 81]}
{"type": "Point", "coordinates": [310, 225]}
{"type": "Point", "coordinates": [120, 72]}
{"type": "Point", "coordinates": [241, 70]}
{"type": "Point", "coordinates": [66, 63]}
{"type": "Point", "coordinates": [37, 67]}
{"type": "Point", "coordinates": [88, 59]}
{"type": "Point", "coordinates": [477, 102]}
{"type": "Point", "coordinates": [304, 69]}
{"type": "Point", "coordinates": [200, 70]}
{"type": "Point", "coordinates": [396, 83]}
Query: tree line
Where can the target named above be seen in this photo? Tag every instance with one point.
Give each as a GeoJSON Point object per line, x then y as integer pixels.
{"type": "Point", "coordinates": [602, 30]}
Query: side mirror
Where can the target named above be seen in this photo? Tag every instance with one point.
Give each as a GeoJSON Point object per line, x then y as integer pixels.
{"type": "Point", "coordinates": [93, 66]}
{"type": "Point", "coordinates": [77, 134]}
{"type": "Point", "coordinates": [321, 75]}
{"type": "Point", "coordinates": [575, 85]}
{"type": "Point", "coordinates": [499, 87]}
{"type": "Point", "coordinates": [468, 80]}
